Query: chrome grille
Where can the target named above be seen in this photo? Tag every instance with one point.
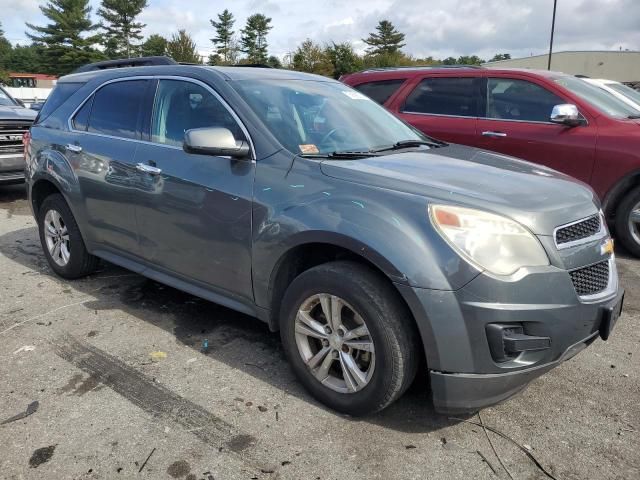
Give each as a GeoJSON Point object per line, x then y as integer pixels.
{"type": "Point", "coordinates": [578, 231]}
{"type": "Point", "coordinates": [11, 137]}
{"type": "Point", "coordinates": [591, 280]}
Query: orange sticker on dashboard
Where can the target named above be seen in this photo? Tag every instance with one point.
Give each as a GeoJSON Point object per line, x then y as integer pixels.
{"type": "Point", "coordinates": [309, 148]}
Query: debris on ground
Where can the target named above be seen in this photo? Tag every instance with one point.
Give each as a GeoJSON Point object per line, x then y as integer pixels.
{"type": "Point", "coordinates": [31, 408]}
{"type": "Point", "coordinates": [156, 356]}
{"type": "Point", "coordinates": [145, 462]}
{"type": "Point", "coordinates": [25, 348]}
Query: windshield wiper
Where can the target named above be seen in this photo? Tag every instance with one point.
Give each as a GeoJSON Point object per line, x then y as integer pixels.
{"type": "Point", "coordinates": [343, 155]}
{"type": "Point", "coordinates": [410, 143]}
{"type": "Point", "coordinates": [634, 117]}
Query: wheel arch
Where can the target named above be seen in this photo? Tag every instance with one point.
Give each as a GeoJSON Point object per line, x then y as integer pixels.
{"type": "Point", "coordinates": [615, 195]}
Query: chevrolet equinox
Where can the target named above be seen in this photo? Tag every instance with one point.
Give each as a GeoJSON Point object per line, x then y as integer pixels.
{"type": "Point", "coordinates": [369, 246]}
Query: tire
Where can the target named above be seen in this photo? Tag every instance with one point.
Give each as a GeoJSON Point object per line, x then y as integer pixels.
{"type": "Point", "coordinates": [629, 236]}
{"type": "Point", "coordinates": [79, 262]}
{"type": "Point", "coordinates": [366, 296]}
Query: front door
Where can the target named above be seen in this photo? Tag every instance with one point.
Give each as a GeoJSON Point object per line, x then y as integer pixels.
{"type": "Point", "coordinates": [194, 212]}
{"type": "Point", "coordinates": [517, 124]}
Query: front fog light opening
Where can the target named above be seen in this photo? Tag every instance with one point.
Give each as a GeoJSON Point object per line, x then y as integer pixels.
{"type": "Point", "coordinates": [508, 341]}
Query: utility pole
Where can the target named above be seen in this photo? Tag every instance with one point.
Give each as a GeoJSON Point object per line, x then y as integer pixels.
{"type": "Point", "coordinates": [553, 26]}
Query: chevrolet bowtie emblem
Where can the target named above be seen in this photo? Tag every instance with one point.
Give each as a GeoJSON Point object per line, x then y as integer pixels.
{"type": "Point", "coordinates": [607, 247]}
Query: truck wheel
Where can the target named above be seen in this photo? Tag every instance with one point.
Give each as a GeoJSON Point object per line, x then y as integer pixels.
{"type": "Point", "coordinates": [61, 240]}
{"type": "Point", "coordinates": [349, 338]}
{"type": "Point", "coordinates": [628, 222]}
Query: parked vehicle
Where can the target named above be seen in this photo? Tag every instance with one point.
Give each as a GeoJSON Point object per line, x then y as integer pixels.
{"type": "Point", "coordinates": [15, 120]}
{"type": "Point", "coordinates": [627, 94]}
{"type": "Point", "coordinates": [37, 106]}
{"type": "Point", "coordinates": [293, 198]}
{"type": "Point", "coordinates": [548, 118]}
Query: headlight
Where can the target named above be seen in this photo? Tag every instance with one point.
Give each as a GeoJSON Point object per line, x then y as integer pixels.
{"type": "Point", "coordinates": [492, 242]}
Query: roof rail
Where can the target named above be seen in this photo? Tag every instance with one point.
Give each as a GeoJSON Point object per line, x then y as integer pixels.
{"type": "Point", "coordinates": [252, 65]}
{"type": "Point", "coordinates": [126, 62]}
{"type": "Point", "coordinates": [419, 67]}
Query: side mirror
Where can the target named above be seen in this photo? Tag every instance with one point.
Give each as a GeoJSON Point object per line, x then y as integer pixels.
{"type": "Point", "coordinates": [218, 142]}
{"type": "Point", "coordinates": [566, 114]}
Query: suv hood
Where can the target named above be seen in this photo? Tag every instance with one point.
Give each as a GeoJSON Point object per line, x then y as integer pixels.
{"type": "Point", "coordinates": [536, 196]}
{"type": "Point", "coordinates": [17, 113]}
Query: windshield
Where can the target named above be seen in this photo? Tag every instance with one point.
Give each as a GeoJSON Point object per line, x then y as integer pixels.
{"type": "Point", "coordinates": [604, 101]}
{"type": "Point", "coordinates": [628, 92]}
{"type": "Point", "coordinates": [5, 99]}
{"type": "Point", "coordinates": [316, 118]}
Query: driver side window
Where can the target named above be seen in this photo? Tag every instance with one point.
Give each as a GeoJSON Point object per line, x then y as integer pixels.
{"type": "Point", "coordinates": [180, 106]}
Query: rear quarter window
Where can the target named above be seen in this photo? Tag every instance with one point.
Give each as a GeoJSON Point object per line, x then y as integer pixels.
{"type": "Point", "coordinates": [57, 97]}
{"type": "Point", "coordinates": [381, 90]}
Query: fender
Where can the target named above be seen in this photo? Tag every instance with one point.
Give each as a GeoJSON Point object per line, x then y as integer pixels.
{"type": "Point", "coordinates": [621, 187]}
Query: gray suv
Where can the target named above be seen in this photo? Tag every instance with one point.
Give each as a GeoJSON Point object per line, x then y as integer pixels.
{"type": "Point", "coordinates": [15, 121]}
{"type": "Point", "coordinates": [371, 247]}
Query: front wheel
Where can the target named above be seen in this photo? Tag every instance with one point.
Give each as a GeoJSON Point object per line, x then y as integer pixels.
{"type": "Point", "coordinates": [349, 337]}
{"type": "Point", "coordinates": [628, 222]}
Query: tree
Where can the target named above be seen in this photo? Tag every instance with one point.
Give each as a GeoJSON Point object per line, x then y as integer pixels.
{"type": "Point", "coordinates": [311, 57]}
{"type": "Point", "coordinates": [27, 58]}
{"type": "Point", "coordinates": [155, 45]}
{"type": "Point", "coordinates": [469, 60]}
{"type": "Point", "coordinates": [5, 49]}
{"type": "Point", "coordinates": [501, 56]}
{"type": "Point", "coordinates": [388, 40]}
{"type": "Point", "coordinates": [254, 38]}
{"type": "Point", "coordinates": [343, 59]}
{"type": "Point", "coordinates": [224, 35]}
{"type": "Point", "coordinates": [120, 26]}
{"type": "Point", "coordinates": [274, 62]}
{"type": "Point", "coordinates": [182, 48]}
{"type": "Point", "coordinates": [66, 41]}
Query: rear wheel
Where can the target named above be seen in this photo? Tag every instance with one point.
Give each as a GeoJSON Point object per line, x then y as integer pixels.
{"type": "Point", "coordinates": [61, 240]}
{"type": "Point", "coordinates": [628, 222]}
{"type": "Point", "coordinates": [349, 338]}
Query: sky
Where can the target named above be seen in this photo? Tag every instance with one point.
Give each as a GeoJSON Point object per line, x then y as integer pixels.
{"type": "Point", "coordinates": [437, 28]}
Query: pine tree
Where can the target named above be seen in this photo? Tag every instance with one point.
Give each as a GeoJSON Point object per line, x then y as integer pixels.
{"type": "Point", "coordinates": [5, 49]}
{"type": "Point", "coordinates": [224, 35]}
{"type": "Point", "coordinates": [387, 41]}
{"type": "Point", "coordinates": [120, 26]}
{"type": "Point", "coordinates": [254, 38]}
{"type": "Point", "coordinates": [66, 41]}
{"type": "Point", "coordinates": [155, 45]}
{"type": "Point", "coordinates": [182, 48]}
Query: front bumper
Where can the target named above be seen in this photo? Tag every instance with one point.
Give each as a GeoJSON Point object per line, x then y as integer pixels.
{"type": "Point", "coordinates": [464, 373]}
{"type": "Point", "coordinates": [11, 168]}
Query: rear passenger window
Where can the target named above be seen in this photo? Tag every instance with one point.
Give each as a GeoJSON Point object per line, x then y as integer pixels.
{"type": "Point", "coordinates": [180, 106]}
{"type": "Point", "coordinates": [380, 91]}
{"type": "Point", "coordinates": [81, 119]}
{"type": "Point", "coordinates": [116, 108]}
{"type": "Point", "coordinates": [511, 99]}
{"type": "Point", "coordinates": [444, 96]}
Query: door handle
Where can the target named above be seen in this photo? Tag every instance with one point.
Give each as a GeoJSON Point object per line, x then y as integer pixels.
{"type": "Point", "coordinates": [73, 148]}
{"type": "Point", "coordinates": [493, 134]}
{"type": "Point", "coordinates": [142, 167]}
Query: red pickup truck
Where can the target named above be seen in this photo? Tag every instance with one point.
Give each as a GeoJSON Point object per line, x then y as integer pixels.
{"type": "Point", "coordinates": [544, 117]}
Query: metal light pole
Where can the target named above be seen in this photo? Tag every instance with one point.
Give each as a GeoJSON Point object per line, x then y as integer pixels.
{"type": "Point", "coordinates": [553, 26]}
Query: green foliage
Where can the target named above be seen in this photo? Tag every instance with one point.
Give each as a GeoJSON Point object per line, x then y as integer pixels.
{"type": "Point", "coordinates": [387, 41]}
{"type": "Point", "coordinates": [343, 59]}
{"type": "Point", "coordinates": [66, 38]}
{"type": "Point", "coordinates": [312, 58]}
{"type": "Point", "coordinates": [121, 31]}
{"type": "Point", "coordinates": [182, 48]}
{"type": "Point", "coordinates": [274, 62]}
{"type": "Point", "coordinates": [5, 49]}
{"type": "Point", "coordinates": [254, 38]}
{"type": "Point", "coordinates": [501, 56]}
{"type": "Point", "coordinates": [223, 41]}
{"type": "Point", "coordinates": [155, 45]}
{"type": "Point", "coordinates": [28, 58]}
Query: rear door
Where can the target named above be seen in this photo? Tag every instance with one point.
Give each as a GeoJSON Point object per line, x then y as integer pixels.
{"type": "Point", "coordinates": [442, 106]}
{"type": "Point", "coordinates": [106, 130]}
{"type": "Point", "coordinates": [194, 212]}
{"type": "Point", "coordinates": [517, 123]}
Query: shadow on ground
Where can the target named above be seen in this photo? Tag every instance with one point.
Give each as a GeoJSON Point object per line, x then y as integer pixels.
{"type": "Point", "coordinates": [256, 350]}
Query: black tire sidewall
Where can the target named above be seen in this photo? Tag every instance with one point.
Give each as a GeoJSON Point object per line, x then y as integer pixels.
{"type": "Point", "coordinates": [78, 254]}
{"type": "Point", "coordinates": [622, 218]}
{"type": "Point", "coordinates": [358, 294]}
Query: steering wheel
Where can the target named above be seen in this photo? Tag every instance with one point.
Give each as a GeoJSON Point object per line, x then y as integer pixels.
{"type": "Point", "coordinates": [329, 135]}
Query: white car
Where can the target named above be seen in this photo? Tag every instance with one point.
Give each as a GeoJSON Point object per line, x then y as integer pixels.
{"type": "Point", "coordinates": [627, 94]}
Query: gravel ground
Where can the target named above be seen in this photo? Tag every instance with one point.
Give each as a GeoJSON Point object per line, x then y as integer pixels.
{"type": "Point", "coordinates": [125, 391]}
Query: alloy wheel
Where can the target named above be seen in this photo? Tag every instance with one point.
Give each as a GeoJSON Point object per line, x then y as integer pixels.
{"type": "Point", "coordinates": [57, 237]}
{"type": "Point", "coordinates": [334, 343]}
{"type": "Point", "coordinates": [634, 223]}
